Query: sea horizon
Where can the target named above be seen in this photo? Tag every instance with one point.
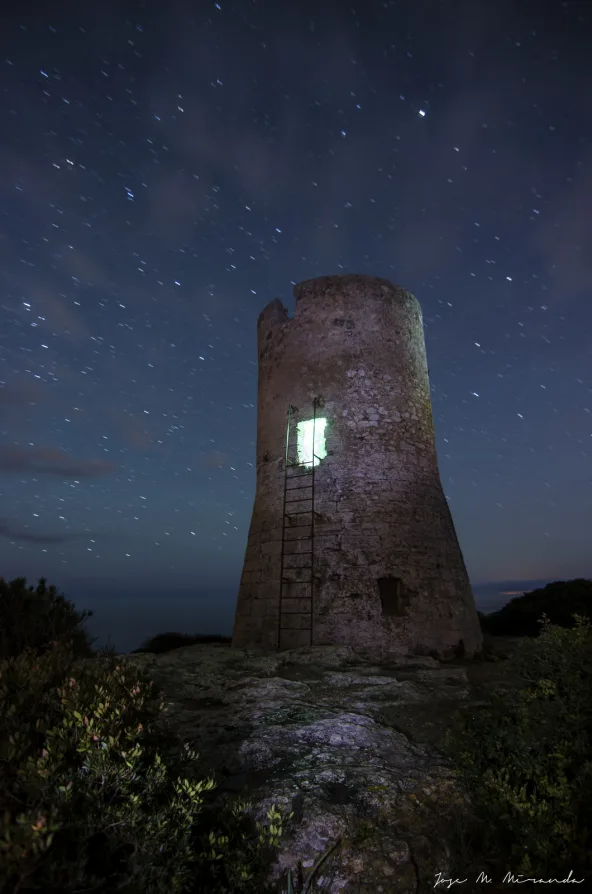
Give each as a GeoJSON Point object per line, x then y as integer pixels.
{"type": "Point", "coordinates": [126, 614]}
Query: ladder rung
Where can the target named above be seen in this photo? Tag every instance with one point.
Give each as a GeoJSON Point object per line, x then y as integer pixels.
{"type": "Point", "coordinates": [290, 580]}
{"type": "Point", "coordinates": [296, 613]}
{"type": "Point", "coordinates": [303, 512]}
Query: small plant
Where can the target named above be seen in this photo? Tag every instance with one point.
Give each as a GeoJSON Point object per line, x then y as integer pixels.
{"type": "Point", "coordinates": [308, 886]}
{"type": "Point", "coordinates": [526, 759]}
{"type": "Point", "coordinates": [97, 794]}
{"type": "Point", "coordinates": [34, 617]}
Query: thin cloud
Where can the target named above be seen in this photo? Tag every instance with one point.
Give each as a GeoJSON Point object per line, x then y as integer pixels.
{"type": "Point", "coordinates": [23, 535]}
{"type": "Point", "coordinates": [12, 533]}
{"type": "Point", "coordinates": [50, 461]}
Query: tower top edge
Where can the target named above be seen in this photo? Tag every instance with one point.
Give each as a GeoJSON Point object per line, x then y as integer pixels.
{"type": "Point", "coordinates": [355, 284]}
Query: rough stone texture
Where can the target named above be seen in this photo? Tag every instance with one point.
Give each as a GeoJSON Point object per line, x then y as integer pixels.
{"type": "Point", "coordinates": [346, 742]}
{"type": "Point", "coordinates": [356, 347]}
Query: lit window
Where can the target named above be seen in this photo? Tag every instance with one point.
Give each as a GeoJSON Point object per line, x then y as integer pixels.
{"type": "Point", "coordinates": [307, 451]}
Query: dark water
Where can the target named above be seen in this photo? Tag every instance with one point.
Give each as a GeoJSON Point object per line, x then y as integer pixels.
{"type": "Point", "coordinates": [126, 617]}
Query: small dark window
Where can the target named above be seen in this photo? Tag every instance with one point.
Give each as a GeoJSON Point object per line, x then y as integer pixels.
{"type": "Point", "coordinates": [392, 596]}
{"type": "Point", "coordinates": [460, 650]}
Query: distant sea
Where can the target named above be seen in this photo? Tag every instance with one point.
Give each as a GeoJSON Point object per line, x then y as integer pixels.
{"type": "Point", "coordinates": [126, 616]}
{"type": "Point", "coordinates": [490, 597]}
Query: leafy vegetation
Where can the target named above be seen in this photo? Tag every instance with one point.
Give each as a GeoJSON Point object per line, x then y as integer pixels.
{"type": "Point", "coordinates": [96, 796]}
{"type": "Point", "coordinates": [559, 601]}
{"type": "Point", "coordinates": [36, 617]}
{"type": "Point", "coordinates": [525, 758]}
{"type": "Point", "coordinates": [166, 642]}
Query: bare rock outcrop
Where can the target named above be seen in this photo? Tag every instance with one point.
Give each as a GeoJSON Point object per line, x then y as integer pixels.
{"type": "Point", "coordinates": [347, 744]}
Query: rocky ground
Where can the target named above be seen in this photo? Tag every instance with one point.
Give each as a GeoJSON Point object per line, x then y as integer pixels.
{"type": "Point", "coordinates": [349, 744]}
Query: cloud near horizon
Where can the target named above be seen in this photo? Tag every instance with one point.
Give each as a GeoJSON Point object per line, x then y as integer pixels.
{"type": "Point", "coordinates": [22, 534]}
{"type": "Point", "coordinates": [51, 461]}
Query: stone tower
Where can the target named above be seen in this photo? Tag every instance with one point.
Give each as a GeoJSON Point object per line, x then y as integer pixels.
{"type": "Point", "coordinates": [351, 539]}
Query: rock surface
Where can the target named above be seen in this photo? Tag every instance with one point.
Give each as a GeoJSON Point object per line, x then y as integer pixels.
{"type": "Point", "coordinates": [349, 745]}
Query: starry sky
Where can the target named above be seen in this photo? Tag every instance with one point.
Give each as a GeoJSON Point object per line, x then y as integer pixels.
{"type": "Point", "coordinates": [169, 168]}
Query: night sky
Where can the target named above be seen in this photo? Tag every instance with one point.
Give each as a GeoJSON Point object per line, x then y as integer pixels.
{"type": "Point", "coordinates": [167, 169]}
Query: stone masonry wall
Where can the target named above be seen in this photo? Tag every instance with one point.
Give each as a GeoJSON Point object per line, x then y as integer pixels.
{"type": "Point", "coordinates": [388, 569]}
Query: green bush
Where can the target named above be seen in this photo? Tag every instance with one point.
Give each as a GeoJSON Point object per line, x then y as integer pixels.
{"type": "Point", "coordinates": [526, 760]}
{"type": "Point", "coordinates": [166, 642]}
{"type": "Point", "coordinates": [35, 617]}
{"type": "Point", "coordinates": [559, 601]}
{"type": "Point", "coordinates": [95, 795]}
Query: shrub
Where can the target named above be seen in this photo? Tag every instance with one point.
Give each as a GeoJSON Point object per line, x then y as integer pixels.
{"type": "Point", "coordinates": [526, 760]}
{"type": "Point", "coordinates": [35, 617]}
{"type": "Point", "coordinates": [166, 642]}
{"type": "Point", "coordinates": [559, 601]}
{"type": "Point", "coordinates": [94, 794]}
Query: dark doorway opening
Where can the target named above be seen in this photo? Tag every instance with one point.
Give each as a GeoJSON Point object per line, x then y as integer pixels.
{"type": "Point", "coordinates": [394, 600]}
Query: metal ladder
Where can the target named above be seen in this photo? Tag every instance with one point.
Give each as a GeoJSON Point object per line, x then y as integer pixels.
{"type": "Point", "coordinates": [296, 564]}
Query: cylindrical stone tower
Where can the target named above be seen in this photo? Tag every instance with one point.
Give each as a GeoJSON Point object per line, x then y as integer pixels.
{"type": "Point", "coordinates": [351, 539]}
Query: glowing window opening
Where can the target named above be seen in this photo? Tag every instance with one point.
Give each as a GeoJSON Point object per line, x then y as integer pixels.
{"type": "Point", "coordinates": [306, 448]}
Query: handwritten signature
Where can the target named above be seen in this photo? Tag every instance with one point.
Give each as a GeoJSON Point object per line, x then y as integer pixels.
{"type": "Point", "coordinates": [509, 878]}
